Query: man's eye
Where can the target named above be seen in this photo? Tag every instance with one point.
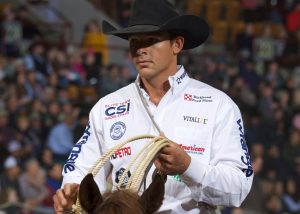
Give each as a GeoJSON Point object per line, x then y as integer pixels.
{"type": "Point", "coordinates": [152, 40]}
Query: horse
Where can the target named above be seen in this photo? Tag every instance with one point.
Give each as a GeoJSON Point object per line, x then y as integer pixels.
{"type": "Point", "coordinates": [122, 201]}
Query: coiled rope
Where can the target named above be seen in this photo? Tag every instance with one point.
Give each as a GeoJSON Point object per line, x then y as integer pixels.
{"type": "Point", "coordinates": [145, 159]}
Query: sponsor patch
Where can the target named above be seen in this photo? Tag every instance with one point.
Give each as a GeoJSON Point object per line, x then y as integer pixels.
{"type": "Point", "coordinates": [200, 120]}
{"type": "Point", "coordinates": [117, 130]}
{"type": "Point", "coordinates": [246, 157]}
{"type": "Point", "coordinates": [119, 174]}
{"type": "Point", "coordinates": [197, 99]}
{"type": "Point", "coordinates": [120, 153]}
{"type": "Point", "coordinates": [116, 110]}
{"type": "Point", "coordinates": [193, 149]}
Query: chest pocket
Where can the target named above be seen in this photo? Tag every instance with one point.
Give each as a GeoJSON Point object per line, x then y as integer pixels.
{"type": "Point", "coordinates": [191, 135]}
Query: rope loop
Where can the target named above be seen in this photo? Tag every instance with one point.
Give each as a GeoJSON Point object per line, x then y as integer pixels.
{"type": "Point", "coordinates": [144, 158]}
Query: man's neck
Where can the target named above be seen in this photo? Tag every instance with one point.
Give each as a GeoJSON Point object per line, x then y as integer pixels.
{"type": "Point", "coordinates": [158, 87]}
{"type": "Point", "coordinates": [156, 91]}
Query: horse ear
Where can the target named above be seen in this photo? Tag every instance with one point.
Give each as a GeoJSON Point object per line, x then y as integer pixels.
{"type": "Point", "coordinates": [89, 194]}
{"type": "Point", "coordinates": [152, 198]}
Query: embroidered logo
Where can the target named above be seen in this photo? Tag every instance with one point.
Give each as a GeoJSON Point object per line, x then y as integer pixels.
{"type": "Point", "coordinates": [119, 174]}
{"type": "Point", "coordinates": [197, 99]}
{"type": "Point", "coordinates": [181, 77]}
{"type": "Point", "coordinates": [195, 119]}
{"type": "Point", "coordinates": [117, 130]}
{"type": "Point", "coordinates": [193, 149]}
{"type": "Point", "coordinates": [188, 97]}
{"type": "Point", "coordinates": [117, 109]}
{"type": "Point", "coordinates": [120, 153]}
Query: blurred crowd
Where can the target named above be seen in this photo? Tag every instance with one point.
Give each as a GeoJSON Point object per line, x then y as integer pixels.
{"type": "Point", "coordinates": [47, 90]}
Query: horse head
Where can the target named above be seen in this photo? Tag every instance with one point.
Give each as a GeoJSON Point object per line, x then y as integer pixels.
{"type": "Point", "coordinates": [122, 201]}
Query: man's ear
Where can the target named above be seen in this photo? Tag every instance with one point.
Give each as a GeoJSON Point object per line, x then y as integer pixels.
{"type": "Point", "coordinates": [178, 43]}
{"type": "Point", "coordinates": [89, 194]}
{"type": "Point", "coordinates": [152, 198]}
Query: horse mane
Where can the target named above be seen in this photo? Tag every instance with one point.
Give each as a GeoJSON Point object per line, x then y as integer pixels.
{"type": "Point", "coordinates": [121, 201]}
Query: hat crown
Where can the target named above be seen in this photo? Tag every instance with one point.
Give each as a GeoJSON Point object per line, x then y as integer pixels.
{"type": "Point", "coordinates": [152, 12]}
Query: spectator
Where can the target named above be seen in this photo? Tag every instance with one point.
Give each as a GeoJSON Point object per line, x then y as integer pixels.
{"type": "Point", "coordinates": [94, 40]}
{"type": "Point", "coordinates": [36, 61]}
{"type": "Point", "coordinates": [111, 79]}
{"type": "Point", "coordinates": [249, 74]}
{"type": "Point", "coordinates": [53, 183]}
{"type": "Point", "coordinates": [10, 191]}
{"type": "Point", "coordinates": [15, 150]}
{"type": "Point", "coordinates": [291, 197]}
{"type": "Point", "coordinates": [93, 74]}
{"type": "Point", "coordinates": [244, 42]}
{"type": "Point", "coordinates": [291, 149]}
{"type": "Point", "coordinates": [266, 102]}
{"type": "Point", "coordinates": [61, 140]}
{"type": "Point", "coordinates": [52, 114]}
{"type": "Point", "coordinates": [264, 47]}
{"type": "Point", "coordinates": [273, 204]}
{"type": "Point", "coordinates": [6, 131]}
{"type": "Point", "coordinates": [32, 184]}
{"type": "Point", "coordinates": [124, 11]}
{"type": "Point", "coordinates": [30, 31]}
{"type": "Point", "coordinates": [293, 18]}
{"type": "Point", "coordinates": [46, 158]}
{"type": "Point", "coordinates": [11, 30]}
{"type": "Point", "coordinates": [76, 63]}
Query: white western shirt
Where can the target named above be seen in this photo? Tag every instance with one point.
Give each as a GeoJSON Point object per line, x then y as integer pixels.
{"type": "Point", "coordinates": [204, 121]}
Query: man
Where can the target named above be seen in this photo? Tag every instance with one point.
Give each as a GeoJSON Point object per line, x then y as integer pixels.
{"type": "Point", "coordinates": [208, 164]}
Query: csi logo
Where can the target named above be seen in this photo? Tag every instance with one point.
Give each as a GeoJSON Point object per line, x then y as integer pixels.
{"type": "Point", "coordinates": [115, 110]}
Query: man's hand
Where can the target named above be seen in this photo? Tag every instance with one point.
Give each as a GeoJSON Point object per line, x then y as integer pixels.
{"type": "Point", "coordinates": [65, 198]}
{"type": "Point", "coordinates": [172, 160]}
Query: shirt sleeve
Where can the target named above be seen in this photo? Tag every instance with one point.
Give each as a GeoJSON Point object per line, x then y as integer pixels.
{"type": "Point", "coordinates": [85, 153]}
{"type": "Point", "coordinates": [227, 179]}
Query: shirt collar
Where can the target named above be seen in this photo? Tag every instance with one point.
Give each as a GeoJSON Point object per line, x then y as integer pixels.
{"type": "Point", "coordinates": [178, 81]}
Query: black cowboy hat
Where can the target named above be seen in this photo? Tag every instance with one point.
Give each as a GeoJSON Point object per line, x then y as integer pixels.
{"type": "Point", "coordinates": [160, 15]}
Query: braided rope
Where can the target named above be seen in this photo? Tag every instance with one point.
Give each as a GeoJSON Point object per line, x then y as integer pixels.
{"type": "Point", "coordinates": [134, 160]}
{"type": "Point", "coordinates": [150, 149]}
{"type": "Point", "coordinates": [138, 174]}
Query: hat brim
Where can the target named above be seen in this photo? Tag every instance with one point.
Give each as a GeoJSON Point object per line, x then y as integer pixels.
{"type": "Point", "coordinates": [193, 28]}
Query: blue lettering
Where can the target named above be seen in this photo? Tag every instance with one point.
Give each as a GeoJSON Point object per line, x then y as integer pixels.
{"type": "Point", "coordinates": [121, 109]}
{"type": "Point", "coordinates": [128, 105]}
{"type": "Point", "coordinates": [247, 161]}
{"type": "Point", "coordinates": [240, 126]}
{"type": "Point", "coordinates": [246, 157]}
{"type": "Point", "coordinates": [76, 149]}
{"type": "Point", "coordinates": [69, 168]}
{"type": "Point", "coordinates": [86, 131]}
{"type": "Point", "coordinates": [248, 172]}
{"type": "Point", "coordinates": [108, 110]}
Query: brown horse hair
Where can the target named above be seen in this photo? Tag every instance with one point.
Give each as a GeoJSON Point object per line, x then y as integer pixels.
{"type": "Point", "coordinates": [121, 201]}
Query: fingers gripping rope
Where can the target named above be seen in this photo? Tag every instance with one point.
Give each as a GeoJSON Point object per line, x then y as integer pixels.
{"type": "Point", "coordinates": [147, 156]}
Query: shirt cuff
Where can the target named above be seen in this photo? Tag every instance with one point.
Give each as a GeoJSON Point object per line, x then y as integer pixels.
{"type": "Point", "coordinates": [195, 172]}
{"type": "Point", "coordinates": [70, 180]}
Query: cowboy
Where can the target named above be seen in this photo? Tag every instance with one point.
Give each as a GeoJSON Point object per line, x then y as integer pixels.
{"type": "Point", "coordinates": [208, 162]}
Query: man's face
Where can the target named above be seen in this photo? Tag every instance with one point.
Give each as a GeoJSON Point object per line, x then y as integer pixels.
{"type": "Point", "coordinates": [152, 53]}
